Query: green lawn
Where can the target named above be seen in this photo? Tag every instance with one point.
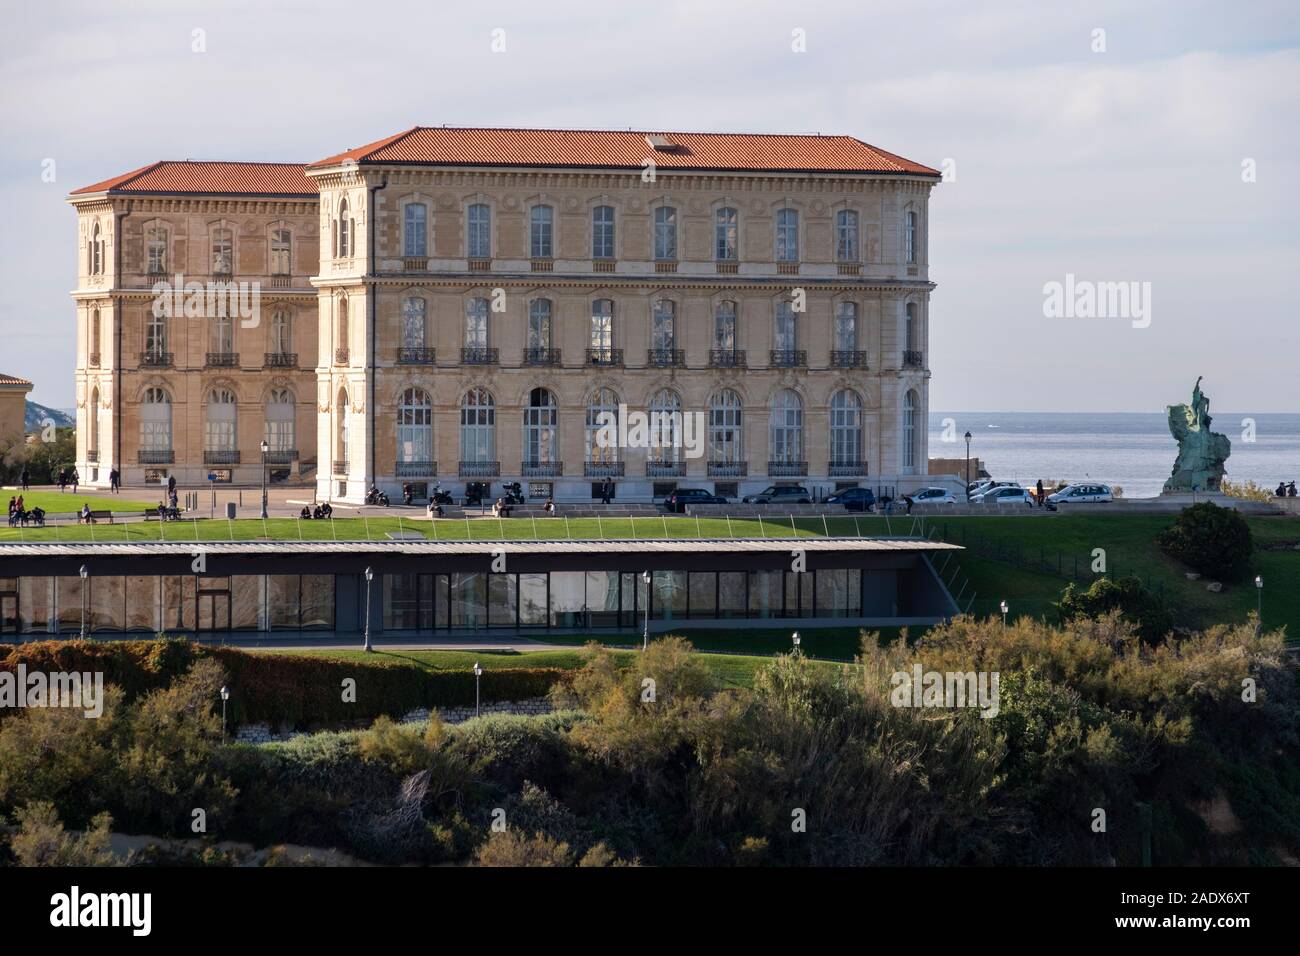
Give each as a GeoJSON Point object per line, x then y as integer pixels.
{"type": "Point", "coordinates": [826, 643]}
{"type": "Point", "coordinates": [54, 502]}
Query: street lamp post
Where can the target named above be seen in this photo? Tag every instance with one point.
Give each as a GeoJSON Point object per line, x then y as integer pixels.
{"type": "Point", "coordinates": [1259, 604]}
{"type": "Point", "coordinates": [225, 696]}
{"type": "Point", "coordinates": [369, 577]}
{"type": "Point", "coordinates": [478, 676]}
{"type": "Point", "coordinates": [265, 449]}
{"type": "Point", "coordinates": [645, 635]}
{"type": "Point", "coordinates": [85, 588]}
{"type": "Point", "coordinates": [968, 464]}
{"type": "Point", "coordinates": [1003, 607]}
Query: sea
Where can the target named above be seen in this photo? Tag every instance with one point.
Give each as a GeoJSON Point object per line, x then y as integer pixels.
{"type": "Point", "coordinates": [1133, 450]}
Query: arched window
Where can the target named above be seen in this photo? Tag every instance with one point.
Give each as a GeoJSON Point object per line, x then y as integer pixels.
{"type": "Point", "coordinates": [281, 251]}
{"type": "Point", "coordinates": [414, 322]}
{"type": "Point", "coordinates": [787, 235]}
{"type": "Point", "coordinates": [911, 407]}
{"type": "Point", "coordinates": [785, 338]}
{"type": "Point", "coordinates": [220, 425]}
{"type": "Point", "coordinates": [478, 232]}
{"type": "Point", "coordinates": [281, 333]}
{"type": "Point", "coordinates": [786, 428]}
{"type": "Point", "coordinates": [724, 327]}
{"type": "Point", "coordinates": [846, 327]}
{"type": "Point", "coordinates": [415, 427]}
{"type": "Point", "coordinates": [726, 247]}
{"type": "Point", "coordinates": [541, 428]}
{"type": "Point", "coordinates": [602, 416]}
{"type": "Point", "coordinates": [846, 430]}
{"type": "Point", "coordinates": [663, 336]}
{"type": "Point", "coordinates": [156, 250]}
{"type": "Point", "coordinates": [602, 232]}
{"type": "Point", "coordinates": [279, 421]}
{"type": "Point", "coordinates": [221, 335]}
{"type": "Point", "coordinates": [846, 236]}
{"type": "Point", "coordinates": [541, 232]}
{"type": "Point", "coordinates": [909, 238]}
{"type": "Point", "coordinates": [95, 337]}
{"type": "Point", "coordinates": [93, 444]}
{"type": "Point", "coordinates": [223, 251]}
{"type": "Point", "coordinates": [478, 427]}
{"type": "Point", "coordinates": [156, 421]}
{"type": "Point", "coordinates": [726, 427]}
{"type": "Point", "coordinates": [476, 324]}
{"type": "Point", "coordinates": [665, 427]}
{"type": "Point", "coordinates": [539, 327]}
{"type": "Point", "coordinates": [342, 410]}
{"type": "Point", "coordinates": [415, 241]}
{"type": "Point", "coordinates": [665, 233]}
{"type": "Point", "coordinates": [96, 251]}
{"type": "Point", "coordinates": [344, 231]}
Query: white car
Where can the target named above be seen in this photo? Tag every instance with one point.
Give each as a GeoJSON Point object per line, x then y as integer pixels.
{"type": "Point", "coordinates": [1006, 496]}
{"type": "Point", "coordinates": [994, 486]}
{"type": "Point", "coordinates": [1074, 494]}
{"type": "Point", "coordinates": [933, 496]}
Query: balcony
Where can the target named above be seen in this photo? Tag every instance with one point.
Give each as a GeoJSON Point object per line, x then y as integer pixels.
{"type": "Point", "coordinates": [727, 358]}
{"type": "Point", "coordinates": [415, 469]}
{"type": "Point", "coordinates": [94, 360]}
{"type": "Point", "coordinates": [415, 264]}
{"type": "Point", "coordinates": [666, 265]}
{"type": "Point", "coordinates": [155, 359]}
{"type": "Point", "coordinates": [666, 358]}
{"type": "Point", "coordinates": [281, 456]}
{"type": "Point", "coordinates": [542, 265]}
{"type": "Point", "coordinates": [787, 268]}
{"type": "Point", "coordinates": [846, 469]}
{"type": "Point", "coordinates": [156, 456]}
{"type": "Point", "coordinates": [605, 357]}
{"type": "Point", "coordinates": [479, 265]}
{"type": "Point", "coordinates": [541, 356]}
{"type": "Point", "coordinates": [727, 267]}
{"type": "Point", "coordinates": [222, 359]}
{"type": "Point", "coordinates": [912, 358]}
{"type": "Point", "coordinates": [413, 356]}
{"type": "Point", "coordinates": [280, 360]}
{"type": "Point", "coordinates": [341, 356]}
{"type": "Point", "coordinates": [541, 469]}
{"type": "Point", "coordinates": [848, 268]}
{"type": "Point", "coordinates": [602, 265]}
{"type": "Point", "coordinates": [478, 355]}
{"type": "Point", "coordinates": [787, 469]}
{"type": "Point", "coordinates": [220, 456]}
{"type": "Point", "coordinates": [848, 358]}
{"type": "Point", "coordinates": [788, 358]}
{"type": "Point", "coordinates": [281, 281]}
{"type": "Point", "coordinates": [602, 469]}
{"type": "Point", "coordinates": [665, 469]}
{"type": "Point", "coordinates": [479, 469]}
{"type": "Point", "coordinates": [728, 469]}
{"type": "Point", "coordinates": [92, 456]}
{"type": "Point", "coordinates": [340, 466]}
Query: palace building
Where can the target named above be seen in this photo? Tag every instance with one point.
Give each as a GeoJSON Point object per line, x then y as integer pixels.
{"type": "Point", "coordinates": [455, 305]}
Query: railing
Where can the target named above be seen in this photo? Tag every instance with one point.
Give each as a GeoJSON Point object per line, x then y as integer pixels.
{"type": "Point", "coordinates": [912, 358]}
{"type": "Point", "coordinates": [156, 456]}
{"type": "Point", "coordinates": [478, 355]}
{"type": "Point", "coordinates": [787, 268]}
{"type": "Point", "coordinates": [415, 264]}
{"type": "Point", "coordinates": [340, 466]}
{"type": "Point", "coordinates": [282, 456]}
{"type": "Point", "coordinates": [222, 359]}
{"type": "Point", "coordinates": [848, 268]}
{"type": "Point", "coordinates": [846, 469]}
{"type": "Point", "coordinates": [92, 456]}
{"type": "Point", "coordinates": [341, 356]}
{"type": "Point", "coordinates": [665, 469]}
{"type": "Point", "coordinates": [155, 359]}
{"type": "Point", "coordinates": [220, 456]}
{"type": "Point", "coordinates": [602, 265]}
{"type": "Point", "coordinates": [542, 265]}
{"type": "Point", "coordinates": [602, 469]}
{"type": "Point", "coordinates": [666, 358]}
{"type": "Point", "coordinates": [728, 469]}
{"type": "Point", "coordinates": [413, 356]}
{"type": "Point", "coordinates": [541, 356]}
{"type": "Point", "coordinates": [479, 469]}
{"type": "Point", "coordinates": [727, 358]}
{"type": "Point", "coordinates": [666, 265]}
{"type": "Point", "coordinates": [416, 469]}
{"type": "Point", "coordinates": [727, 267]}
{"type": "Point", "coordinates": [479, 265]}
{"type": "Point", "coordinates": [787, 469]}
{"type": "Point", "coordinates": [281, 281]}
{"type": "Point", "coordinates": [788, 358]}
{"type": "Point", "coordinates": [541, 469]}
{"type": "Point", "coordinates": [280, 360]}
{"type": "Point", "coordinates": [604, 356]}
{"type": "Point", "coordinates": [848, 358]}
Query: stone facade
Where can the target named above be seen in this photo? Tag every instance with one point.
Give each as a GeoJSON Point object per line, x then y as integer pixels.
{"type": "Point", "coordinates": [13, 410]}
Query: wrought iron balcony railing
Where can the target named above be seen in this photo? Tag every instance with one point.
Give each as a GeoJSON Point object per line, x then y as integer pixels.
{"type": "Point", "coordinates": [478, 355]}
{"type": "Point", "coordinates": [282, 456]}
{"type": "Point", "coordinates": [222, 359]}
{"type": "Point", "coordinates": [156, 456]}
{"type": "Point", "coordinates": [155, 359]}
{"type": "Point", "coordinates": [221, 456]}
{"type": "Point", "coordinates": [728, 469]}
{"type": "Point", "coordinates": [787, 469]}
{"type": "Point", "coordinates": [538, 356]}
{"type": "Point", "coordinates": [727, 358]}
{"type": "Point", "coordinates": [788, 358]}
{"type": "Point", "coordinates": [541, 469]}
{"type": "Point", "coordinates": [848, 358]}
{"type": "Point", "coordinates": [280, 360]}
{"type": "Point", "coordinates": [479, 469]}
{"type": "Point", "coordinates": [414, 356]}
{"type": "Point", "coordinates": [665, 469]}
{"type": "Point", "coordinates": [602, 469]}
{"type": "Point", "coordinates": [666, 358]}
{"type": "Point", "coordinates": [912, 358]}
{"type": "Point", "coordinates": [415, 469]}
{"type": "Point", "coordinates": [846, 469]}
{"type": "Point", "coordinates": [603, 356]}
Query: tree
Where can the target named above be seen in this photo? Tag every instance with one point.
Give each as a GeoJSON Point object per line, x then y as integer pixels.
{"type": "Point", "coordinates": [1134, 602]}
{"type": "Point", "coordinates": [1212, 540]}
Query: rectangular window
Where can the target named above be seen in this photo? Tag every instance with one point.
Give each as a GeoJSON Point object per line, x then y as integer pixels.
{"type": "Point", "coordinates": [602, 232]}
{"type": "Point", "coordinates": [541, 232]}
{"type": "Point", "coordinates": [415, 230]}
{"type": "Point", "coordinates": [666, 233]}
{"type": "Point", "coordinates": [787, 235]}
{"type": "Point", "coordinates": [479, 232]}
{"type": "Point", "coordinates": [280, 257]}
{"type": "Point", "coordinates": [846, 236]}
{"type": "Point", "coordinates": [726, 247]}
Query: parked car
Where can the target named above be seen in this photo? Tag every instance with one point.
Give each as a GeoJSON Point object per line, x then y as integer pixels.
{"type": "Point", "coordinates": [995, 486]}
{"type": "Point", "coordinates": [679, 499]}
{"type": "Point", "coordinates": [780, 495]}
{"type": "Point", "coordinates": [978, 486]}
{"type": "Point", "coordinates": [1007, 496]}
{"type": "Point", "coordinates": [933, 496]}
{"type": "Point", "coordinates": [1074, 494]}
{"type": "Point", "coordinates": [854, 499]}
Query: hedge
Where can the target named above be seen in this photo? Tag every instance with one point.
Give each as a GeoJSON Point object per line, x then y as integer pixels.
{"type": "Point", "coordinates": [276, 689]}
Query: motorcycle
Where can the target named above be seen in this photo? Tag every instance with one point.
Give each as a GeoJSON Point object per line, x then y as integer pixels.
{"type": "Point", "coordinates": [441, 497]}
{"type": "Point", "coordinates": [514, 493]}
{"type": "Point", "coordinates": [376, 497]}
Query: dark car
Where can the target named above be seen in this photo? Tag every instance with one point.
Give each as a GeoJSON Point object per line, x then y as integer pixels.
{"type": "Point", "coordinates": [854, 499]}
{"type": "Point", "coordinates": [679, 499]}
{"type": "Point", "coordinates": [780, 495]}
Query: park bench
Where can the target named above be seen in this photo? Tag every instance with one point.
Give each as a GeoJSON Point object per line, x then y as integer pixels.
{"type": "Point", "coordinates": [97, 516]}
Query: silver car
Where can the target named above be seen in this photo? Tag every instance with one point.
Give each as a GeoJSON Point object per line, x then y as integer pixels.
{"type": "Point", "coordinates": [1076, 494]}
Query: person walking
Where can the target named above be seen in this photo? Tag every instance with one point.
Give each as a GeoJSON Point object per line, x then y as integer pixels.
{"type": "Point", "coordinates": [606, 491]}
{"type": "Point", "coordinates": [76, 480]}
{"type": "Point", "coordinates": [171, 484]}
{"type": "Point", "coordinates": [62, 480]}
{"type": "Point", "coordinates": [1039, 488]}
{"type": "Point", "coordinates": [23, 477]}
{"type": "Point", "coordinates": [114, 481]}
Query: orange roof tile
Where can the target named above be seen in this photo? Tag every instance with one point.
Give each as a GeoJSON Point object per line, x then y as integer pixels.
{"type": "Point", "coordinates": [168, 176]}
{"type": "Point", "coordinates": [13, 380]}
{"type": "Point", "coordinates": [454, 146]}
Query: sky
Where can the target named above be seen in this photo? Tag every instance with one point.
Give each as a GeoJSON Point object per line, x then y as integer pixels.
{"type": "Point", "coordinates": [1150, 142]}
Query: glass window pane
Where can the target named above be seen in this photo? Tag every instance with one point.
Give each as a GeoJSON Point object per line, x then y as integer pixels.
{"type": "Point", "coordinates": [704, 598]}
{"type": "Point", "coordinates": [503, 599]}
{"type": "Point", "coordinates": [35, 603]}
{"type": "Point", "coordinates": [765, 596]}
{"type": "Point", "coordinates": [246, 601]}
{"type": "Point", "coordinates": [469, 600]}
{"type": "Point", "coordinates": [318, 601]}
{"type": "Point", "coordinates": [282, 600]}
{"type": "Point", "coordinates": [532, 600]}
{"type": "Point", "coordinates": [602, 598]}
{"type": "Point", "coordinates": [731, 594]}
{"type": "Point", "coordinates": [669, 595]}
{"type": "Point", "coordinates": [568, 598]}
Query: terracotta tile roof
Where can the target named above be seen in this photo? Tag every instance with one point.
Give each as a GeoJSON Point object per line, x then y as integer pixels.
{"type": "Point", "coordinates": [168, 176]}
{"type": "Point", "coordinates": [12, 380]}
{"type": "Point", "coordinates": [627, 149]}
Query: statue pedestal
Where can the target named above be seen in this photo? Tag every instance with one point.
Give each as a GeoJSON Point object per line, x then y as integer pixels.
{"type": "Point", "coordinates": [1185, 499]}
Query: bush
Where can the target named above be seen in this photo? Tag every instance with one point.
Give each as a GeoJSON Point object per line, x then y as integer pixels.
{"type": "Point", "coordinates": [40, 839]}
{"type": "Point", "coordinates": [1127, 595]}
{"type": "Point", "coordinates": [1212, 540]}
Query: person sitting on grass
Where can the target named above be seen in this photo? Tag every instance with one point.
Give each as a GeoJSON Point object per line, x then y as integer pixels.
{"type": "Point", "coordinates": [327, 510]}
{"type": "Point", "coordinates": [305, 513]}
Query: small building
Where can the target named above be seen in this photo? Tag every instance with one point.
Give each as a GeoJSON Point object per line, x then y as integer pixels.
{"type": "Point", "coordinates": [13, 409]}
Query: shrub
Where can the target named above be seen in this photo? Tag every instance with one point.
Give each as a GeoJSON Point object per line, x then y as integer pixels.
{"type": "Point", "coordinates": [1127, 596]}
{"type": "Point", "coordinates": [40, 839]}
{"type": "Point", "coordinates": [1212, 540]}
{"type": "Point", "coordinates": [511, 848]}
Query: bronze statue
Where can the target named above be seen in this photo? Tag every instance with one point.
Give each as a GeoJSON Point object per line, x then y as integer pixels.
{"type": "Point", "coordinates": [1201, 452]}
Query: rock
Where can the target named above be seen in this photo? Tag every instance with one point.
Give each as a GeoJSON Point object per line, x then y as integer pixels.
{"type": "Point", "coordinates": [1214, 586]}
{"type": "Point", "coordinates": [1193, 576]}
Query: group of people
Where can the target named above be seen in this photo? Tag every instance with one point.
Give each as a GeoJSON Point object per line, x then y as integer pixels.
{"type": "Point", "coordinates": [1285, 489]}
{"type": "Point", "coordinates": [66, 476]}
{"type": "Point", "coordinates": [19, 515]}
{"type": "Point", "coordinates": [325, 510]}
